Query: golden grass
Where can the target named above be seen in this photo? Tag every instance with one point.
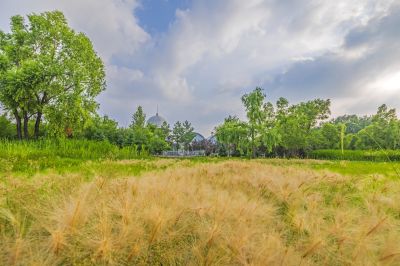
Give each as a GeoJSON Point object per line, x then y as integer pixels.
{"type": "Point", "coordinates": [225, 213]}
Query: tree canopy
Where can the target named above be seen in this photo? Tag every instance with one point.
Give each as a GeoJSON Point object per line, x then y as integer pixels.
{"type": "Point", "coordinates": [48, 71]}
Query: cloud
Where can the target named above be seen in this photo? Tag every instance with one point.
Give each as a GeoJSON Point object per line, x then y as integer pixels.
{"type": "Point", "coordinates": [216, 50]}
{"type": "Point", "coordinates": [362, 74]}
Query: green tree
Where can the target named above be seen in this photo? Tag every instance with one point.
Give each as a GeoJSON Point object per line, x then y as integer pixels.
{"type": "Point", "coordinates": [327, 136]}
{"type": "Point", "coordinates": [138, 118]}
{"type": "Point", "coordinates": [353, 123]}
{"type": "Point", "coordinates": [102, 128]}
{"type": "Point", "coordinates": [382, 133]}
{"type": "Point", "coordinates": [157, 142]}
{"type": "Point", "coordinates": [49, 71]}
{"type": "Point", "coordinates": [295, 123]}
{"type": "Point", "coordinates": [253, 103]}
{"type": "Point", "coordinates": [182, 134]}
{"type": "Point", "coordinates": [232, 134]}
{"type": "Point", "coordinates": [6, 128]}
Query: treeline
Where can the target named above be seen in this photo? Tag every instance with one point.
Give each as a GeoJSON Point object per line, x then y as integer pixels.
{"type": "Point", "coordinates": [145, 137]}
{"type": "Point", "coordinates": [295, 130]}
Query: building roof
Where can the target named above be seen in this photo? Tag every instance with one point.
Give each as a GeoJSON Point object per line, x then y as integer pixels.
{"type": "Point", "coordinates": [198, 137]}
{"type": "Point", "coordinates": [156, 120]}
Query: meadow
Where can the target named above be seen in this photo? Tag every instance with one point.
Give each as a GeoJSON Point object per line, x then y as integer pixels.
{"type": "Point", "coordinates": [201, 211]}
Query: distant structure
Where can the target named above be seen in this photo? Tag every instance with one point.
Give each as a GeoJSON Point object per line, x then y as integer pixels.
{"type": "Point", "coordinates": [156, 120]}
{"type": "Point", "coordinates": [212, 139]}
{"type": "Point", "coordinates": [198, 137]}
{"type": "Point", "coordinates": [198, 145]}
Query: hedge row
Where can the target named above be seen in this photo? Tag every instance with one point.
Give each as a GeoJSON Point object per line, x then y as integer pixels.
{"type": "Point", "coordinates": [357, 155]}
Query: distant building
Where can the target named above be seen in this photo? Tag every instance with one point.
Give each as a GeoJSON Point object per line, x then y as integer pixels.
{"type": "Point", "coordinates": [156, 120]}
{"type": "Point", "coordinates": [198, 137]}
{"type": "Point", "coordinates": [212, 139]}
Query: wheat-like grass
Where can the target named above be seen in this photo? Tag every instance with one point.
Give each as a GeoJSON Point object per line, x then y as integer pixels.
{"type": "Point", "coordinates": [225, 213]}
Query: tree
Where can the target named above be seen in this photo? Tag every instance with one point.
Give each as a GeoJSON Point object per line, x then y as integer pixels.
{"type": "Point", "coordinates": [232, 134]}
{"type": "Point", "coordinates": [157, 142]}
{"type": "Point", "coordinates": [138, 118]}
{"type": "Point", "coordinates": [15, 84]}
{"type": "Point", "coordinates": [382, 133]}
{"type": "Point", "coordinates": [49, 71]}
{"type": "Point", "coordinates": [295, 123]}
{"type": "Point", "coordinates": [253, 103]}
{"type": "Point", "coordinates": [327, 136]}
{"type": "Point", "coordinates": [102, 128]}
{"type": "Point", "coordinates": [182, 134]}
{"type": "Point", "coordinates": [6, 128]}
{"type": "Point", "coordinates": [353, 123]}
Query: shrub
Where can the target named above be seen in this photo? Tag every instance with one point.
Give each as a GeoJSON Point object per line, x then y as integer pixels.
{"type": "Point", "coordinates": [357, 155]}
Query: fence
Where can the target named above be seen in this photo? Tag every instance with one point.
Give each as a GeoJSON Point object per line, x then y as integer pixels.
{"type": "Point", "coordinates": [184, 153]}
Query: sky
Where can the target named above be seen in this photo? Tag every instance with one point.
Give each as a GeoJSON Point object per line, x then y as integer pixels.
{"type": "Point", "coordinates": [196, 58]}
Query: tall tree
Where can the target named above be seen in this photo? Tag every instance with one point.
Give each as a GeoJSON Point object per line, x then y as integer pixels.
{"type": "Point", "coordinates": [182, 134]}
{"type": "Point", "coordinates": [296, 122]}
{"type": "Point", "coordinates": [15, 64]}
{"type": "Point", "coordinates": [382, 133]}
{"type": "Point", "coordinates": [232, 134]}
{"type": "Point", "coordinates": [49, 71]}
{"type": "Point", "coordinates": [138, 118]}
{"type": "Point", "coordinates": [253, 102]}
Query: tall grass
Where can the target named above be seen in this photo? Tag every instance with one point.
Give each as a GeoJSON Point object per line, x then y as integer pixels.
{"type": "Point", "coordinates": [66, 148]}
{"type": "Point", "coordinates": [222, 213]}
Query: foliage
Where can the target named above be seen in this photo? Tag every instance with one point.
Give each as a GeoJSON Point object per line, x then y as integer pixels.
{"type": "Point", "coordinates": [233, 136]}
{"type": "Point", "coordinates": [298, 130]}
{"type": "Point", "coordinates": [284, 130]}
{"type": "Point", "coordinates": [138, 118]}
{"type": "Point", "coordinates": [295, 124]}
{"type": "Point", "coordinates": [66, 148]}
{"type": "Point", "coordinates": [49, 71]}
{"type": "Point", "coordinates": [357, 155]}
{"type": "Point", "coordinates": [182, 134]}
{"type": "Point", "coordinates": [6, 128]}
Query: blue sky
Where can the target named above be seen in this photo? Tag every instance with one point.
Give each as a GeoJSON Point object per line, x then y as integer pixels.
{"type": "Point", "coordinates": [195, 58]}
{"type": "Point", "coordinates": [155, 16]}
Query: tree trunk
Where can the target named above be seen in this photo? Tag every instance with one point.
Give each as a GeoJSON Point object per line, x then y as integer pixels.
{"type": "Point", "coordinates": [26, 129]}
{"type": "Point", "coordinates": [37, 124]}
{"type": "Point", "coordinates": [18, 122]}
{"type": "Point", "coordinates": [253, 146]}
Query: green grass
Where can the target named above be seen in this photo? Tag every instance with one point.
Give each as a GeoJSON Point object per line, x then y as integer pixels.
{"type": "Point", "coordinates": [357, 155]}
{"type": "Point", "coordinates": [65, 148]}
{"type": "Point", "coordinates": [30, 157]}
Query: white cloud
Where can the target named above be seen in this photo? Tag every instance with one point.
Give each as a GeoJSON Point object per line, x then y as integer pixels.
{"type": "Point", "coordinates": [110, 24]}
{"type": "Point", "coordinates": [216, 50]}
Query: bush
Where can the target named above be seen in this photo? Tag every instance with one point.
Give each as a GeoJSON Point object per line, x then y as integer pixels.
{"type": "Point", "coordinates": [357, 155]}
{"type": "Point", "coordinates": [65, 148]}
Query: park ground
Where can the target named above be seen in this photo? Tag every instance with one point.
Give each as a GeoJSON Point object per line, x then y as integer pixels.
{"type": "Point", "coordinates": [201, 211]}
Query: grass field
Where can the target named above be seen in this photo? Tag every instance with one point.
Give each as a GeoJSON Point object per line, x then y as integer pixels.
{"type": "Point", "coordinates": [200, 212]}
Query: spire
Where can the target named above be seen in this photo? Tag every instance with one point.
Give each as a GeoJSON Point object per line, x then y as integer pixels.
{"type": "Point", "coordinates": [157, 110]}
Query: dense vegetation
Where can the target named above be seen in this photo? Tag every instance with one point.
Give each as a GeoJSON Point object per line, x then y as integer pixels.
{"type": "Point", "coordinates": [302, 129]}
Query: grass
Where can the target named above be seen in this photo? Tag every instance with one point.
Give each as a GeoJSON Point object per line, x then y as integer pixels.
{"type": "Point", "coordinates": [201, 212]}
{"type": "Point", "coordinates": [357, 155]}
{"type": "Point", "coordinates": [29, 157]}
{"type": "Point", "coordinates": [66, 148]}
